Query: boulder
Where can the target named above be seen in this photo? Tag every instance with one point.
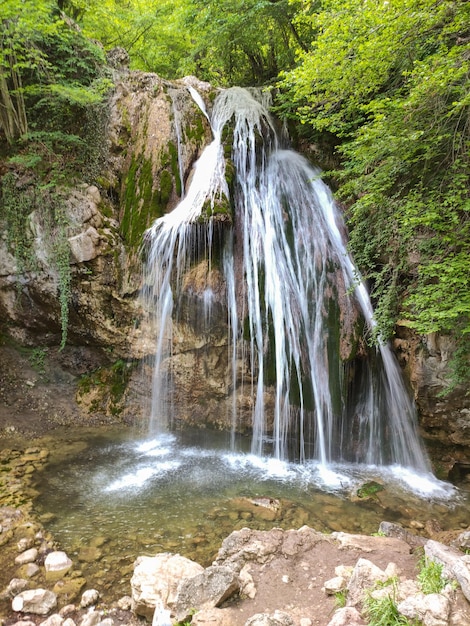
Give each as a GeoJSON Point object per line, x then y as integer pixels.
{"type": "Point", "coordinates": [206, 590]}
{"type": "Point", "coordinates": [365, 575]}
{"type": "Point", "coordinates": [432, 609]}
{"type": "Point", "coordinates": [86, 245]}
{"type": "Point", "coordinates": [36, 601]}
{"type": "Point", "coordinates": [155, 579]}
{"type": "Point", "coordinates": [455, 565]}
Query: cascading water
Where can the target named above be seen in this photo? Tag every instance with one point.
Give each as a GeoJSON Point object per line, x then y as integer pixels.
{"type": "Point", "coordinates": [291, 291]}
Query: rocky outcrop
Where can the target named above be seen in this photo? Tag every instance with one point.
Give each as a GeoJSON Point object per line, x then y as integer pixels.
{"type": "Point", "coordinates": [155, 134]}
{"type": "Point", "coordinates": [444, 416]}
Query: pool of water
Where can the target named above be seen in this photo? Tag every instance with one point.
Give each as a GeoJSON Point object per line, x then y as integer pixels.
{"type": "Point", "coordinates": [112, 496]}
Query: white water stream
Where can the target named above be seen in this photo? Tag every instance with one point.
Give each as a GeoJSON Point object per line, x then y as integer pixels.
{"type": "Point", "coordinates": [295, 268]}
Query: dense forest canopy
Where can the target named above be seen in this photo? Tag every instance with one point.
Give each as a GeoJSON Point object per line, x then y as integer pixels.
{"type": "Point", "coordinates": [384, 83]}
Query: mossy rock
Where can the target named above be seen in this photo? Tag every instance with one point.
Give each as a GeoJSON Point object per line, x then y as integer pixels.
{"type": "Point", "coordinates": [369, 490]}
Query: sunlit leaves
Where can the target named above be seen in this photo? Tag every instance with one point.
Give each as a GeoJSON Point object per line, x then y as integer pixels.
{"type": "Point", "coordinates": [391, 80]}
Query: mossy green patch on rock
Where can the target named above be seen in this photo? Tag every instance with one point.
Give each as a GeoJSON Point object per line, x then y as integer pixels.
{"type": "Point", "coordinates": [104, 389]}
{"type": "Point", "coordinates": [145, 198]}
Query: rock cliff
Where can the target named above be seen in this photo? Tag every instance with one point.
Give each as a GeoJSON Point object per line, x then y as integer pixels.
{"type": "Point", "coordinates": [155, 133]}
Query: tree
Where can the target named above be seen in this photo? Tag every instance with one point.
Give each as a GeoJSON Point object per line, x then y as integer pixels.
{"type": "Point", "coordinates": [390, 81]}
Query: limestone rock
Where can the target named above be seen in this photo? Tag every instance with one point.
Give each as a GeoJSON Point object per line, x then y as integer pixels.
{"type": "Point", "coordinates": [364, 576]}
{"type": "Point", "coordinates": [28, 556]}
{"type": "Point", "coordinates": [15, 586]}
{"type": "Point", "coordinates": [37, 601]}
{"type": "Point", "coordinates": [461, 571]}
{"type": "Point", "coordinates": [390, 529]}
{"type": "Point", "coordinates": [334, 585]}
{"type": "Point", "coordinates": [57, 564]}
{"type": "Point", "coordinates": [346, 616]}
{"type": "Point", "coordinates": [92, 618]}
{"type": "Point", "coordinates": [212, 617]}
{"type": "Point", "coordinates": [89, 598]}
{"type": "Point", "coordinates": [28, 570]}
{"type": "Point", "coordinates": [432, 609]}
{"type": "Point", "coordinates": [85, 246]}
{"type": "Point", "coordinates": [124, 603]}
{"type": "Point", "coordinates": [53, 620]}
{"type": "Point", "coordinates": [455, 565]}
{"type": "Point", "coordinates": [278, 618]}
{"type": "Point", "coordinates": [205, 590]}
{"type": "Point", "coordinates": [156, 579]}
{"type": "Point", "coordinates": [462, 542]}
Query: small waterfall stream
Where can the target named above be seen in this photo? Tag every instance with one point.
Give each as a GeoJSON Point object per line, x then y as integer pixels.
{"type": "Point", "coordinates": [294, 297]}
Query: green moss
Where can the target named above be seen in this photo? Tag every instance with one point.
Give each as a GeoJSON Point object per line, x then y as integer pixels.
{"type": "Point", "coordinates": [369, 490]}
{"type": "Point", "coordinates": [145, 197]}
{"type": "Point", "coordinates": [195, 130]}
{"type": "Point", "coordinates": [112, 383]}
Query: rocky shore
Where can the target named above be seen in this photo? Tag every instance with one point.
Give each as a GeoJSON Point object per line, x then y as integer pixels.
{"type": "Point", "coordinates": [258, 578]}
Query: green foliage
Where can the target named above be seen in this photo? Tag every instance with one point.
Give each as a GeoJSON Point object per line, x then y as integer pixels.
{"type": "Point", "coordinates": [53, 112]}
{"type": "Point", "coordinates": [37, 359]}
{"type": "Point", "coordinates": [242, 42]}
{"type": "Point", "coordinates": [341, 598]}
{"type": "Point", "coordinates": [388, 81]}
{"type": "Point", "coordinates": [223, 41]}
{"type": "Point", "coordinates": [152, 32]}
{"type": "Point", "coordinates": [383, 611]}
{"type": "Point", "coordinates": [17, 206]}
{"type": "Point", "coordinates": [430, 578]}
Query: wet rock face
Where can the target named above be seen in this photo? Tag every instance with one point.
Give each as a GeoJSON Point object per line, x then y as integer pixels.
{"type": "Point", "coordinates": [156, 132]}
{"type": "Point", "coordinates": [444, 417]}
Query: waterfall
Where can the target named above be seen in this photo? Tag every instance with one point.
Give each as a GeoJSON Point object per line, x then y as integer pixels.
{"type": "Point", "coordinates": [292, 295]}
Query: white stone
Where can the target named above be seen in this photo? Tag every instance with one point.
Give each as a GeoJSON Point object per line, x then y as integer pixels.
{"type": "Point", "coordinates": [432, 609]}
{"type": "Point", "coordinates": [334, 585]}
{"type": "Point", "coordinates": [278, 618]}
{"type": "Point", "coordinates": [28, 556]}
{"type": "Point", "coordinates": [37, 601]}
{"type": "Point", "coordinates": [57, 564]}
{"type": "Point", "coordinates": [364, 576]}
{"type": "Point", "coordinates": [89, 597]}
{"type": "Point", "coordinates": [92, 618]}
{"type": "Point", "coordinates": [156, 579]}
{"type": "Point", "coordinates": [53, 620]}
{"type": "Point", "coordinates": [461, 571]}
{"type": "Point", "coordinates": [85, 246]}
{"type": "Point", "coordinates": [346, 616]}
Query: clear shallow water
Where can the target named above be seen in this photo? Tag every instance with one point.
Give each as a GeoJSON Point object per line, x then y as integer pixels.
{"type": "Point", "coordinates": [109, 498]}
